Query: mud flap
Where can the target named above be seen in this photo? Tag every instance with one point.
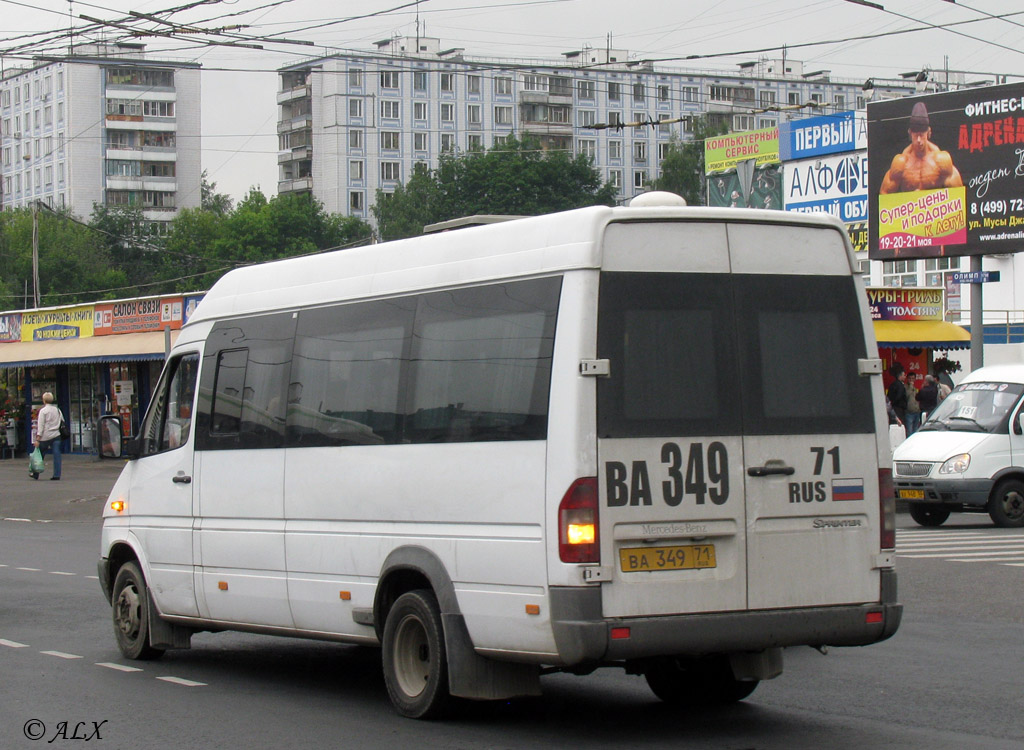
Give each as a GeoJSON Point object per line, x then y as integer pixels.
{"type": "Point", "coordinates": [163, 634]}
{"type": "Point", "coordinates": [473, 676]}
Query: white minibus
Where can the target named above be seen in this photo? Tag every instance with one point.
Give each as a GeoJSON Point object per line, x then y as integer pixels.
{"type": "Point", "coordinates": [969, 454]}
{"type": "Point", "coordinates": [650, 437]}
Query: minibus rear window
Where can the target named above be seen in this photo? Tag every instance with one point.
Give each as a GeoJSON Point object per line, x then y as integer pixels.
{"type": "Point", "coordinates": [721, 354]}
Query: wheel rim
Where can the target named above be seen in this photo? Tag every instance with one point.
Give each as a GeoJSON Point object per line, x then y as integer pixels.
{"type": "Point", "coordinates": [129, 612]}
{"type": "Point", "coordinates": [1013, 505]}
{"type": "Point", "coordinates": [412, 657]}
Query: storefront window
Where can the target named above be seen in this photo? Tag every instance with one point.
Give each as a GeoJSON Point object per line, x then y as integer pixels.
{"type": "Point", "coordinates": [84, 409]}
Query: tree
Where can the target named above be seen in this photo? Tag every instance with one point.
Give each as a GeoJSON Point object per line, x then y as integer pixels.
{"type": "Point", "coordinates": [74, 261]}
{"type": "Point", "coordinates": [218, 203]}
{"type": "Point", "coordinates": [682, 169]}
{"type": "Point", "coordinates": [516, 178]}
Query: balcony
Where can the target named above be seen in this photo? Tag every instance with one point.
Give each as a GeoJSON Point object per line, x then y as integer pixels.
{"type": "Point", "coordinates": [296, 154]}
{"type": "Point", "coordinates": [299, 92]}
{"type": "Point", "coordinates": [295, 123]}
{"type": "Point", "coordinates": [298, 185]}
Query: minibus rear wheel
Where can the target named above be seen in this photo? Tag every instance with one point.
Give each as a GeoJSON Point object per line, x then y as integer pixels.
{"type": "Point", "coordinates": [707, 681]}
{"type": "Point", "coordinates": [131, 614]}
{"type": "Point", "coordinates": [414, 656]}
{"type": "Point", "coordinates": [927, 516]}
{"type": "Point", "coordinates": [1006, 506]}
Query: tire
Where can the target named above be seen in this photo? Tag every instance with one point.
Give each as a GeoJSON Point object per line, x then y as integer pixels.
{"type": "Point", "coordinates": [414, 656]}
{"type": "Point", "coordinates": [928, 516]}
{"type": "Point", "coordinates": [130, 602]}
{"type": "Point", "coordinates": [1006, 506]}
{"type": "Point", "coordinates": [702, 682]}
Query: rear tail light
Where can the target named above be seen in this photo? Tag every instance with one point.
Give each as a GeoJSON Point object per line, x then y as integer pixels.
{"type": "Point", "coordinates": [578, 540]}
{"type": "Point", "coordinates": [887, 509]}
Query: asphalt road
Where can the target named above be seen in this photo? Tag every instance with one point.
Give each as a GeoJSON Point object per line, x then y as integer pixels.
{"type": "Point", "coordinates": [950, 678]}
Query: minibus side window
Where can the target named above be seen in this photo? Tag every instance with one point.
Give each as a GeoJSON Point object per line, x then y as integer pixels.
{"type": "Point", "coordinates": [168, 422]}
{"type": "Point", "coordinates": [245, 383]}
{"type": "Point", "coordinates": [347, 374]}
{"type": "Point", "coordinates": [481, 363]}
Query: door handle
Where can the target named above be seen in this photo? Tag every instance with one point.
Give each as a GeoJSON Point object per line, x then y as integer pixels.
{"type": "Point", "coordinates": [181, 479]}
{"type": "Point", "coordinates": [771, 468]}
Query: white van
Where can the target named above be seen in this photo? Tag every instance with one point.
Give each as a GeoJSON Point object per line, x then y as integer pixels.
{"type": "Point", "coordinates": [647, 437]}
{"type": "Point", "coordinates": [969, 455]}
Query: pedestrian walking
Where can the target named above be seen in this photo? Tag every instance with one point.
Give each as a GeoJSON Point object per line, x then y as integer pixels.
{"type": "Point", "coordinates": [47, 437]}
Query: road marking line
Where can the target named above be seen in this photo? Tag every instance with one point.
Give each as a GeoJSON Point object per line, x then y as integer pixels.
{"type": "Point", "coordinates": [95, 578]}
{"type": "Point", "coordinates": [988, 559]}
{"type": "Point", "coordinates": [1015, 565]}
{"type": "Point", "coordinates": [61, 654]}
{"type": "Point", "coordinates": [19, 520]}
{"type": "Point", "coordinates": [118, 667]}
{"type": "Point", "coordinates": [60, 573]}
{"type": "Point", "coordinates": [959, 553]}
{"type": "Point", "coordinates": [12, 644]}
{"type": "Point", "coordinates": [31, 570]}
{"type": "Point", "coordinates": [180, 681]}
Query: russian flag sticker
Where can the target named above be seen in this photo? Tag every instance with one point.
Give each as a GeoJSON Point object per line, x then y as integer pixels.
{"type": "Point", "coordinates": [847, 489]}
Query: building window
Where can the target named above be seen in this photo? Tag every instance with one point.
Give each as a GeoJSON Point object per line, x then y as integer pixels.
{"type": "Point", "coordinates": [587, 118]}
{"type": "Point", "coordinates": [614, 91]}
{"type": "Point", "coordinates": [899, 273]}
{"type": "Point", "coordinates": [447, 142]}
{"type": "Point", "coordinates": [663, 149]}
{"type": "Point", "coordinates": [389, 109]}
{"type": "Point", "coordinates": [472, 84]}
{"type": "Point", "coordinates": [640, 151]}
{"type": "Point", "coordinates": [767, 98]}
{"type": "Point", "coordinates": [638, 92]}
{"type": "Point", "coordinates": [793, 98]}
{"type": "Point", "coordinates": [124, 107]}
{"type": "Point", "coordinates": [586, 89]}
{"type": "Point", "coordinates": [390, 171]}
{"type": "Point", "coordinates": [389, 140]}
{"type": "Point", "coordinates": [503, 115]}
{"type": "Point", "coordinates": [356, 200]}
{"type": "Point", "coordinates": [690, 94]}
{"type": "Point", "coordinates": [355, 78]}
{"type": "Point", "coordinates": [615, 149]}
{"type": "Point", "coordinates": [419, 141]}
{"type": "Point", "coordinates": [389, 79]}
{"type": "Point", "coordinates": [448, 82]}
{"type": "Point", "coordinates": [742, 122]}
{"type": "Point", "coordinates": [763, 123]}
{"type": "Point", "coordinates": [587, 147]}
{"type": "Point", "coordinates": [500, 140]}
{"type": "Point", "coordinates": [355, 139]}
{"type": "Point", "coordinates": [559, 86]}
{"type": "Point", "coordinates": [123, 168]}
{"type": "Point", "coordinates": [473, 114]}
{"type": "Point", "coordinates": [663, 94]}
{"type": "Point", "coordinates": [158, 140]}
{"type": "Point", "coordinates": [158, 109]}
{"type": "Point", "coordinates": [840, 101]}
{"type": "Point", "coordinates": [419, 110]}
{"type": "Point", "coordinates": [533, 82]}
{"type": "Point", "coordinates": [640, 178]}
{"type": "Point", "coordinates": [614, 118]}
{"type": "Point", "coordinates": [615, 178]}
{"type": "Point", "coordinates": [355, 108]}
{"type": "Point", "coordinates": [475, 142]}
{"type": "Point", "coordinates": [503, 86]}
{"type": "Point", "coordinates": [419, 80]}
{"type": "Point", "coordinates": [447, 113]}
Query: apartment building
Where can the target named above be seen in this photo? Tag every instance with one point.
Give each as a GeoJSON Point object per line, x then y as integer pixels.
{"type": "Point", "coordinates": [355, 122]}
{"type": "Point", "coordinates": [103, 125]}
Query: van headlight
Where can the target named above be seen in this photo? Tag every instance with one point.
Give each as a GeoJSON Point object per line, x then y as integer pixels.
{"type": "Point", "coordinates": [956, 464]}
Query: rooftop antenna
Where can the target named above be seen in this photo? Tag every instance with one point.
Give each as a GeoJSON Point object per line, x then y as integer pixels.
{"type": "Point", "coordinates": [71, 28]}
{"type": "Point", "coordinates": [417, 27]}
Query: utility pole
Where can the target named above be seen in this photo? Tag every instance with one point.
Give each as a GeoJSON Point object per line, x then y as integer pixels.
{"type": "Point", "coordinates": [35, 253]}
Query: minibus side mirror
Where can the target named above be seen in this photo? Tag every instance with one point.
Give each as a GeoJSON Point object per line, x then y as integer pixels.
{"type": "Point", "coordinates": [111, 436]}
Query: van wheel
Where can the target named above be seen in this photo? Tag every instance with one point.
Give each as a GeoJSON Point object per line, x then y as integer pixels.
{"type": "Point", "coordinates": [131, 614]}
{"type": "Point", "coordinates": [926, 516]}
{"type": "Point", "coordinates": [414, 656]}
{"type": "Point", "coordinates": [697, 682]}
{"type": "Point", "coordinates": [1006, 506]}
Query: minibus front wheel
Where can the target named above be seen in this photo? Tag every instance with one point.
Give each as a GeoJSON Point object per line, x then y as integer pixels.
{"type": "Point", "coordinates": [1006, 506]}
{"type": "Point", "coordinates": [131, 614]}
{"type": "Point", "coordinates": [414, 656]}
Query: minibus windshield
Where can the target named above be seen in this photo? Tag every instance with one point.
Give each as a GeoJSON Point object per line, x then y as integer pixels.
{"type": "Point", "coordinates": [975, 407]}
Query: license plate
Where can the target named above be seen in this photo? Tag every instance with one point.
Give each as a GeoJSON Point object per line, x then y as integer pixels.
{"type": "Point", "coordinates": [689, 557]}
{"type": "Point", "coordinates": [911, 494]}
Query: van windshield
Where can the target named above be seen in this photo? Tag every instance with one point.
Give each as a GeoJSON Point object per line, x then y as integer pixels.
{"type": "Point", "coordinates": [976, 407]}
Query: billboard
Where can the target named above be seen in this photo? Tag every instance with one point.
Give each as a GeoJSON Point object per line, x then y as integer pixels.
{"type": "Point", "coordinates": [138, 315]}
{"type": "Point", "coordinates": [819, 136]}
{"type": "Point", "coordinates": [57, 325]}
{"type": "Point", "coordinates": [905, 303]}
{"type": "Point", "coordinates": [947, 173]}
{"type": "Point", "coordinates": [836, 185]}
{"type": "Point", "coordinates": [763, 189]}
{"type": "Point", "coordinates": [724, 152]}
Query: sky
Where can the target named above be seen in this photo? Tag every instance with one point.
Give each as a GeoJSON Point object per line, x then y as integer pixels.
{"type": "Point", "coordinates": [239, 83]}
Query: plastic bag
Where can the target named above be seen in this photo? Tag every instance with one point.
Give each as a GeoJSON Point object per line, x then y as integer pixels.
{"type": "Point", "coordinates": [35, 462]}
